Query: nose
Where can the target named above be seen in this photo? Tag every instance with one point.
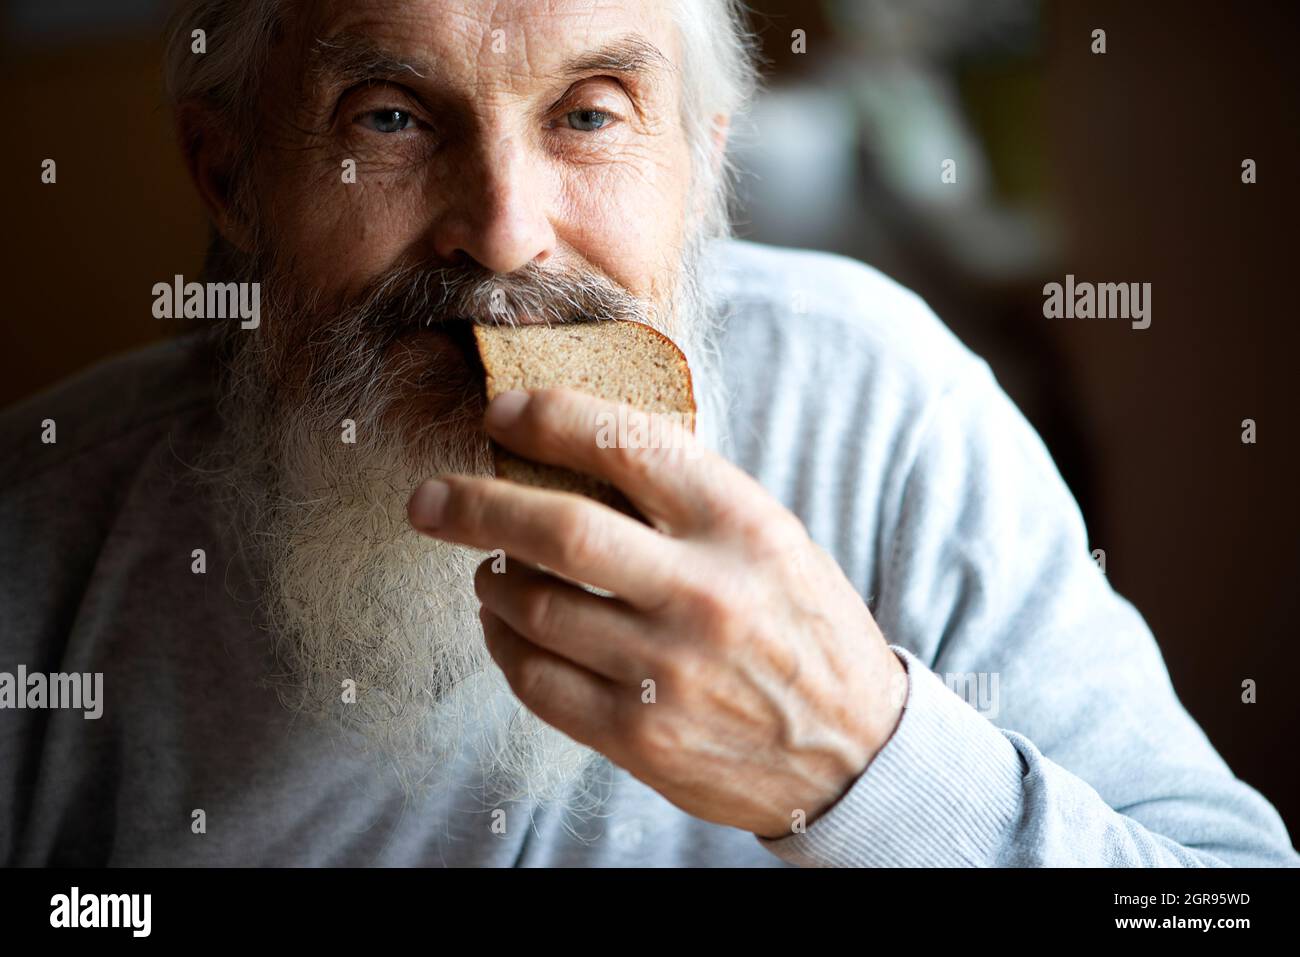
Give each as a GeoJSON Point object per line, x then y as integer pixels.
{"type": "Point", "coordinates": [495, 215]}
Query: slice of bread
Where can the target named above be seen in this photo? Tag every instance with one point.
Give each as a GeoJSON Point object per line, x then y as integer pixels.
{"type": "Point", "coordinates": [625, 362]}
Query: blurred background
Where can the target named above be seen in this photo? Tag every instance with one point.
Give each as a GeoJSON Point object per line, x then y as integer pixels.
{"type": "Point", "coordinates": [1116, 167]}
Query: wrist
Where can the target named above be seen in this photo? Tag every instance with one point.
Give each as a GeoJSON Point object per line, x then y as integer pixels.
{"type": "Point", "coordinates": [879, 718]}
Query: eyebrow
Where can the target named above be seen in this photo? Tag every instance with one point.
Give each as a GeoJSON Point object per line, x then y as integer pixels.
{"type": "Point", "coordinates": [352, 58]}
{"type": "Point", "coordinates": [629, 54]}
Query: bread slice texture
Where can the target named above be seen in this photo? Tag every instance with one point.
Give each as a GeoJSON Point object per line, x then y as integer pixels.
{"type": "Point", "coordinates": [624, 362]}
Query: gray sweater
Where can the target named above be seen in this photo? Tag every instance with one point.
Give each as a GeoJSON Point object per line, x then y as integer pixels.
{"type": "Point", "coordinates": [1040, 726]}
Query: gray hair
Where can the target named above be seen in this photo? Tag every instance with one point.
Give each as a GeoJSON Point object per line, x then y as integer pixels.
{"type": "Point", "coordinates": [720, 76]}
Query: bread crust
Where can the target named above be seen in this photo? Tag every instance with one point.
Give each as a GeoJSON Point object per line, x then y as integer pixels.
{"type": "Point", "coordinates": [639, 367]}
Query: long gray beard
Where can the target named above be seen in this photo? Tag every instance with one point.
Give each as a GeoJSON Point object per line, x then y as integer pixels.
{"type": "Point", "coordinates": [375, 626]}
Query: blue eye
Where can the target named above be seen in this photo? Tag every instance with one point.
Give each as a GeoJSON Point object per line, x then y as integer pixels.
{"type": "Point", "coordinates": [387, 121]}
{"type": "Point", "coordinates": [588, 120]}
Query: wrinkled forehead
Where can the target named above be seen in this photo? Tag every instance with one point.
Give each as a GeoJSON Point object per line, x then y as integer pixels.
{"type": "Point", "coordinates": [486, 46]}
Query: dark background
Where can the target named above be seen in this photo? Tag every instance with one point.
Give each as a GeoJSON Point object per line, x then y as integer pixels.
{"type": "Point", "coordinates": [1122, 167]}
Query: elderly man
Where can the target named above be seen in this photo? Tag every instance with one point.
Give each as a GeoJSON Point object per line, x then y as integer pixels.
{"type": "Point", "coordinates": [328, 635]}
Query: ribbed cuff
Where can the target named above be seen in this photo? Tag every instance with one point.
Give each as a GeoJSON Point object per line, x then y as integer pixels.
{"type": "Point", "coordinates": [942, 792]}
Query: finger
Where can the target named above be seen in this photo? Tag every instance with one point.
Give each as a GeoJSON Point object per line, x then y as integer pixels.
{"type": "Point", "coordinates": [601, 634]}
{"type": "Point", "coordinates": [653, 459]}
{"type": "Point", "coordinates": [565, 696]}
{"type": "Point", "coordinates": [571, 535]}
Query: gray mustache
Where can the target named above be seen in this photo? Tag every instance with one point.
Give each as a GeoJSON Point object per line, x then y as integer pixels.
{"type": "Point", "coordinates": [418, 297]}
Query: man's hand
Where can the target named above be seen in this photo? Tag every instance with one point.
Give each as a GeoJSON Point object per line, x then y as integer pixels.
{"type": "Point", "coordinates": [736, 671]}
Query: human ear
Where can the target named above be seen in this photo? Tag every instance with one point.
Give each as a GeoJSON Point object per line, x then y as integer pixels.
{"type": "Point", "coordinates": [721, 130]}
{"type": "Point", "coordinates": [209, 148]}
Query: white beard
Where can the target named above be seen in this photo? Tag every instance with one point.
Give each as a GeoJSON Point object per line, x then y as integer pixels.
{"type": "Point", "coordinates": [350, 593]}
{"type": "Point", "coordinates": [356, 594]}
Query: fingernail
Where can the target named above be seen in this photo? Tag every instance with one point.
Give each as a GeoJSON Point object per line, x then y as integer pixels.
{"type": "Point", "coordinates": [427, 504]}
{"type": "Point", "coordinates": [506, 408]}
